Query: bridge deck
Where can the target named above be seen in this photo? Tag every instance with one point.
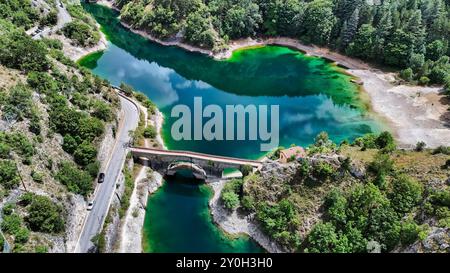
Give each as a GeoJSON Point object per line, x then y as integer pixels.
{"type": "Point", "coordinates": [201, 156]}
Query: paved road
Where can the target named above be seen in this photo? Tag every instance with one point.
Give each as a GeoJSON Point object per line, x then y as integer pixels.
{"type": "Point", "coordinates": [105, 191]}
{"type": "Point", "coordinates": [63, 18]}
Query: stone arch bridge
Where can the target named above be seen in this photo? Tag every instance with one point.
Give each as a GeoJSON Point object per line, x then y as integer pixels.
{"type": "Point", "coordinates": [203, 166]}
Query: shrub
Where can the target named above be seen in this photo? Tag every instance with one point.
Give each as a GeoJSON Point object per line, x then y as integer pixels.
{"type": "Point", "coordinates": [278, 220]}
{"type": "Point", "coordinates": [9, 177]}
{"type": "Point", "coordinates": [230, 200]}
{"type": "Point", "coordinates": [21, 236]}
{"type": "Point", "coordinates": [81, 33]}
{"type": "Point", "coordinates": [93, 168]}
{"type": "Point", "coordinates": [44, 215]}
{"type": "Point", "coordinates": [74, 179]}
{"type": "Point", "coordinates": [150, 132]}
{"type": "Point", "coordinates": [85, 153]}
{"type": "Point", "coordinates": [424, 80]}
{"type": "Point", "coordinates": [420, 146]}
{"type": "Point", "coordinates": [102, 111]}
{"type": "Point", "coordinates": [38, 177]}
{"type": "Point", "coordinates": [11, 223]}
{"type": "Point", "coordinates": [409, 232]}
{"type": "Point", "coordinates": [381, 165]}
{"type": "Point", "coordinates": [407, 74]}
{"type": "Point", "coordinates": [405, 194]}
{"type": "Point", "coordinates": [322, 170]}
{"type": "Point", "coordinates": [246, 170]}
{"type": "Point", "coordinates": [248, 203]}
{"type": "Point", "coordinates": [324, 239]}
{"type": "Point", "coordinates": [26, 198]}
{"type": "Point", "coordinates": [385, 141]}
{"type": "Point", "coordinates": [442, 150]}
{"type": "Point", "coordinates": [8, 208]}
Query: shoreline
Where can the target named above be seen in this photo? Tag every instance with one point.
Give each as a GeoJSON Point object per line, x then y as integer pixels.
{"type": "Point", "coordinates": [234, 224]}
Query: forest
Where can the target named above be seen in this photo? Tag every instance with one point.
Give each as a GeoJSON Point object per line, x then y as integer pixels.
{"type": "Point", "coordinates": [408, 35]}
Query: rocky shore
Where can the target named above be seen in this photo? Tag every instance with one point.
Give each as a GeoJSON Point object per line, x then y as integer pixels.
{"type": "Point", "coordinates": [236, 224]}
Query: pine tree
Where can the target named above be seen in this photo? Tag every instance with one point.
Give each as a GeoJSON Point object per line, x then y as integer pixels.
{"type": "Point", "coordinates": [349, 29]}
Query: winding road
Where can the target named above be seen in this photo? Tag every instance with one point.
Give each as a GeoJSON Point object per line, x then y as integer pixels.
{"type": "Point", "coordinates": [63, 18]}
{"type": "Point", "coordinates": [103, 194]}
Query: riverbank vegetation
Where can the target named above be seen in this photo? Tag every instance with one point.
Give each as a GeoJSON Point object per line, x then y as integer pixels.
{"type": "Point", "coordinates": [54, 114]}
{"type": "Point", "coordinates": [410, 35]}
{"type": "Point", "coordinates": [367, 196]}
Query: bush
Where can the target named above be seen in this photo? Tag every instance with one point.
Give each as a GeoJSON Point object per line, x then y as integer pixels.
{"type": "Point", "coordinates": [442, 150]}
{"type": "Point", "coordinates": [85, 153]}
{"type": "Point", "coordinates": [93, 168]}
{"type": "Point", "coordinates": [409, 232]}
{"type": "Point", "coordinates": [324, 239]}
{"type": "Point", "coordinates": [9, 177]}
{"type": "Point", "coordinates": [405, 194]}
{"type": "Point", "coordinates": [15, 45]}
{"type": "Point", "coordinates": [366, 142]}
{"type": "Point", "coordinates": [248, 203]}
{"type": "Point", "coordinates": [38, 177]}
{"type": "Point", "coordinates": [420, 146]}
{"type": "Point", "coordinates": [381, 165]}
{"type": "Point", "coordinates": [102, 111]}
{"type": "Point", "coordinates": [246, 170]}
{"type": "Point", "coordinates": [44, 215]}
{"type": "Point", "coordinates": [150, 132]}
{"type": "Point", "coordinates": [303, 170]}
{"type": "Point", "coordinates": [11, 223]}
{"type": "Point", "coordinates": [407, 74]}
{"type": "Point", "coordinates": [230, 200]}
{"type": "Point", "coordinates": [127, 89]}
{"type": "Point", "coordinates": [8, 208]}
{"type": "Point", "coordinates": [74, 179]}
{"type": "Point", "coordinates": [18, 104]}
{"type": "Point", "coordinates": [278, 220]}
{"type": "Point", "coordinates": [21, 236]}
{"type": "Point", "coordinates": [322, 170]}
{"type": "Point", "coordinates": [81, 33]}
{"type": "Point", "coordinates": [69, 144]}
{"type": "Point", "coordinates": [385, 141]}
{"type": "Point", "coordinates": [424, 80]}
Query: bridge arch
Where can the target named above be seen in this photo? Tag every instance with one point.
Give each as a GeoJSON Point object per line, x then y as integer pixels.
{"type": "Point", "coordinates": [197, 171]}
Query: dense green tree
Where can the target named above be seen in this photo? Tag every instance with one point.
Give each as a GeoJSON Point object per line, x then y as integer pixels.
{"type": "Point", "coordinates": [319, 21]}
{"type": "Point", "coordinates": [18, 50]}
{"type": "Point", "coordinates": [76, 180]}
{"type": "Point", "coordinates": [362, 45]}
{"type": "Point", "coordinates": [230, 200]}
{"type": "Point", "coordinates": [323, 238]}
{"type": "Point", "coordinates": [405, 194]}
{"type": "Point", "coordinates": [18, 104]}
{"type": "Point", "coordinates": [9, 178]}
{"type": "Point", "coordinates": [85, 153]}
{"type": "Point", "coordinates": [44, 215]}
{"type": "Point", "coordinates": [199, 29]}
{"type": "Point", "coordinates": [81, 33]}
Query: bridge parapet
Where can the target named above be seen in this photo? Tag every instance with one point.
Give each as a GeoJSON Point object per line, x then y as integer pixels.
{"type": "Point", "coordinates": [212, 165]}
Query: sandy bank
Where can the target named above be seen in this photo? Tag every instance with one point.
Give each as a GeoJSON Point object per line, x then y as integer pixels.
{"type": "Point", "coordinates": [235, 224]}
{"type": "Point", "coordinates": [415, 113]}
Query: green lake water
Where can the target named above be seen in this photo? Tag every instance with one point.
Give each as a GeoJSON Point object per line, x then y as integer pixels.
{"type": "Point", "coordinates": [312, 95]}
